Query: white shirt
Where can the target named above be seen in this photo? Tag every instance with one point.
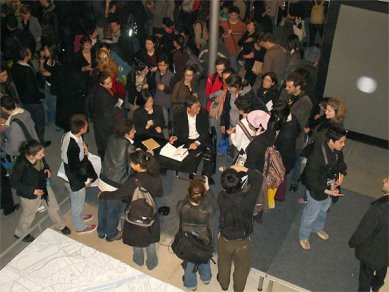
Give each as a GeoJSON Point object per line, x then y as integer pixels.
{"type": "Point", "coordinates": [239, 138]}
{"type": "Point", "coordinates": [193, 134]}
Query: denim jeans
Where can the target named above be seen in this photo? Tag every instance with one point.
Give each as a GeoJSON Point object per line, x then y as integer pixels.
{"type": "Point", "coordinates": [49, 104]}
{"type": "Point", "coordinates": [108, 217]}
{"type": "Point", "coordinates": [296, 171]}
{"type": "Point", "coordinates": [152, 259]}
{"type": "Point", "coordinates": [314, 216]}
{"type": "Point", "coordinates": [190, 277]}
{"type": "Point", "coordinates": [77, 200]}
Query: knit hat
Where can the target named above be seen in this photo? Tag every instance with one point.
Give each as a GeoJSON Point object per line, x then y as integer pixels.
{"type": "Point", "coordinates": [258, 118]}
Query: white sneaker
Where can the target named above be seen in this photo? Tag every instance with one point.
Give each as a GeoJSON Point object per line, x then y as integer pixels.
{"type": "Point", "coordinates": [41, 209]}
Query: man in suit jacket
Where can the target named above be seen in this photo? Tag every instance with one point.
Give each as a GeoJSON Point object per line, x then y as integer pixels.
{"type": "Point", "coordinates": [191, 127]}
{"type": "Point", "coordinates": [370, 241]}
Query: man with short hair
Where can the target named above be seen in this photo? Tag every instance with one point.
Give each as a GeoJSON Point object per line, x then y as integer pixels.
{"type": "Point", "coordinates": [370, 241]}
{"type": "Point", "coordinates": [163, 90]}
{"type": "Point", "coordinates": [233, 28]}
{"type": "Point", "coordinates": [74, 154]}
{"type": "Point", "coordinates": [30, 95]}
{"type": "Point", "coordinates": [7, 203]}
{"type": "Point", "coordinates": [300, 106]}
{"type": "Point", "coordinates": [275, 57]}
{"type": "Point", "coordinates": [191, 127]}
{"type": "Point", "coordinates": [14, 135]}
{"type": "Point", "coordinates": [122, 44]}
{"type": "Point", "coordinates": [323, 176]}
{"type": "Point", "coordinates": [236, 202]}
{"type": "Point", "coordinates": [103, 110]}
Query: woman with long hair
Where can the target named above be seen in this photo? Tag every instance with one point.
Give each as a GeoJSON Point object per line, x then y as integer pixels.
{"type": "Point", "coordinates": [230, 115]}
{"type": "Point", "coordinates": [294, 54]}
{"type": "Point", "coordinates": [141, 239]}
{"type": "Point", "coordinates": [105, 63]}
{"type": "Point", "coordinates": [31, 180]}
{"type": "Point", "coordinates": [247, 53]}
{"type": "Point", "coordinates": [287, 131]}
{"type": "Point", "coordinates": [268, 92]}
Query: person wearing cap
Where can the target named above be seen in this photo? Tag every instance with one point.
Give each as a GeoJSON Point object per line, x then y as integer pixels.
{"type": "Point", "coordinates": [236, 204]}
{"type": "Point", "coordinates": [258, 121]}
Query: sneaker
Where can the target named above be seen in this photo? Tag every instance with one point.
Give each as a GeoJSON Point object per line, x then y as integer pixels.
{"type": "Point", "coordinates": [110, 239]}
{"type": "Point", "coordinates": [27, 238]}
{"type": "Point", "coordinates": [101, 236]}
{"type": "Point", "coordinates": [88, 229]}
{"type": "Point", "coordinates": [305, 244]}
{"type": "Point", "coordinates": [301, 201]}
{"type": "Point", "coordinates": [119, 235]}
{"type": "Point", "coordinates": [323, 235]}
{"type": "Point", "coordinates": [222, 168]}
{"type": "Point", "coordinates": [206, 282]}
{"type": "Point", "coordinates": [66, 230]}
{"type": "Point", "coordinates": [293, 188]}
{"type": "Point", "coordinates": [87, 217]}
{"type": "Point", "coordinates": [41, 209]}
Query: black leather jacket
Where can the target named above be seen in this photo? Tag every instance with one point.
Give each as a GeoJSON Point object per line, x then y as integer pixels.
{"type": "Point", "coordinates": [115, 168]}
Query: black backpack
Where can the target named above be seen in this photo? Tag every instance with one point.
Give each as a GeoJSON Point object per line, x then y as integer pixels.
{"type": "Point", "coordinates": [191, 248]}
{"type": "Point", "coordinates": [141, 210]}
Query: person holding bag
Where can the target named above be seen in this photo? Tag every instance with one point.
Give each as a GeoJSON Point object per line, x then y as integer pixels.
{"type": "Point", "coordinates": [141, 238]}
{"type": "Point", "coordinates": [195, 212]}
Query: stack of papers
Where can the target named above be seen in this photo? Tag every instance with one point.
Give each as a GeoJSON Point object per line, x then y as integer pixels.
{"type": "Point", "coordinates": [172, 152]}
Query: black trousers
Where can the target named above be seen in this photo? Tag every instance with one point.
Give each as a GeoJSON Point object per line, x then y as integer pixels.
{"type": "Point", "coordinates": [7, 201]}
{"type": "Point", "coordinates": [208, 157]}
{"type": "Point", "coordinates": [368, 279]}
{"type": "Point", "coordinates": [38, 116]}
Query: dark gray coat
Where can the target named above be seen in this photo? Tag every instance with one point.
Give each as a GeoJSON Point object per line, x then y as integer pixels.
{"type": "Point", "coordinates": [370, 240]}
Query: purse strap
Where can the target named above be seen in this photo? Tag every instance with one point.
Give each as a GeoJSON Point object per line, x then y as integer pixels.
{"type": "Point", "coordinates": [23, 127]}
{"type": "Point", "coordinates": [245, 131]}
{"type": "Point", "coordinates": [233, 39]}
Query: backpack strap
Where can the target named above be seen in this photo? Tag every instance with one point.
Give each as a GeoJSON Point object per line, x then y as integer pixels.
{"type": "Point", "coordinates": [23, 127]}
{"type": "Point", "coordinates": [245, 131]}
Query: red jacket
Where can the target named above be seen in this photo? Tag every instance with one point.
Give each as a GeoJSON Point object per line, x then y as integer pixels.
{"type": "Point", "coordinates": [213, 84]}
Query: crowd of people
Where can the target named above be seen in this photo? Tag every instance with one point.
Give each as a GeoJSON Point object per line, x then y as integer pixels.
{"type": "Point", "coordinates": [75, 63]}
